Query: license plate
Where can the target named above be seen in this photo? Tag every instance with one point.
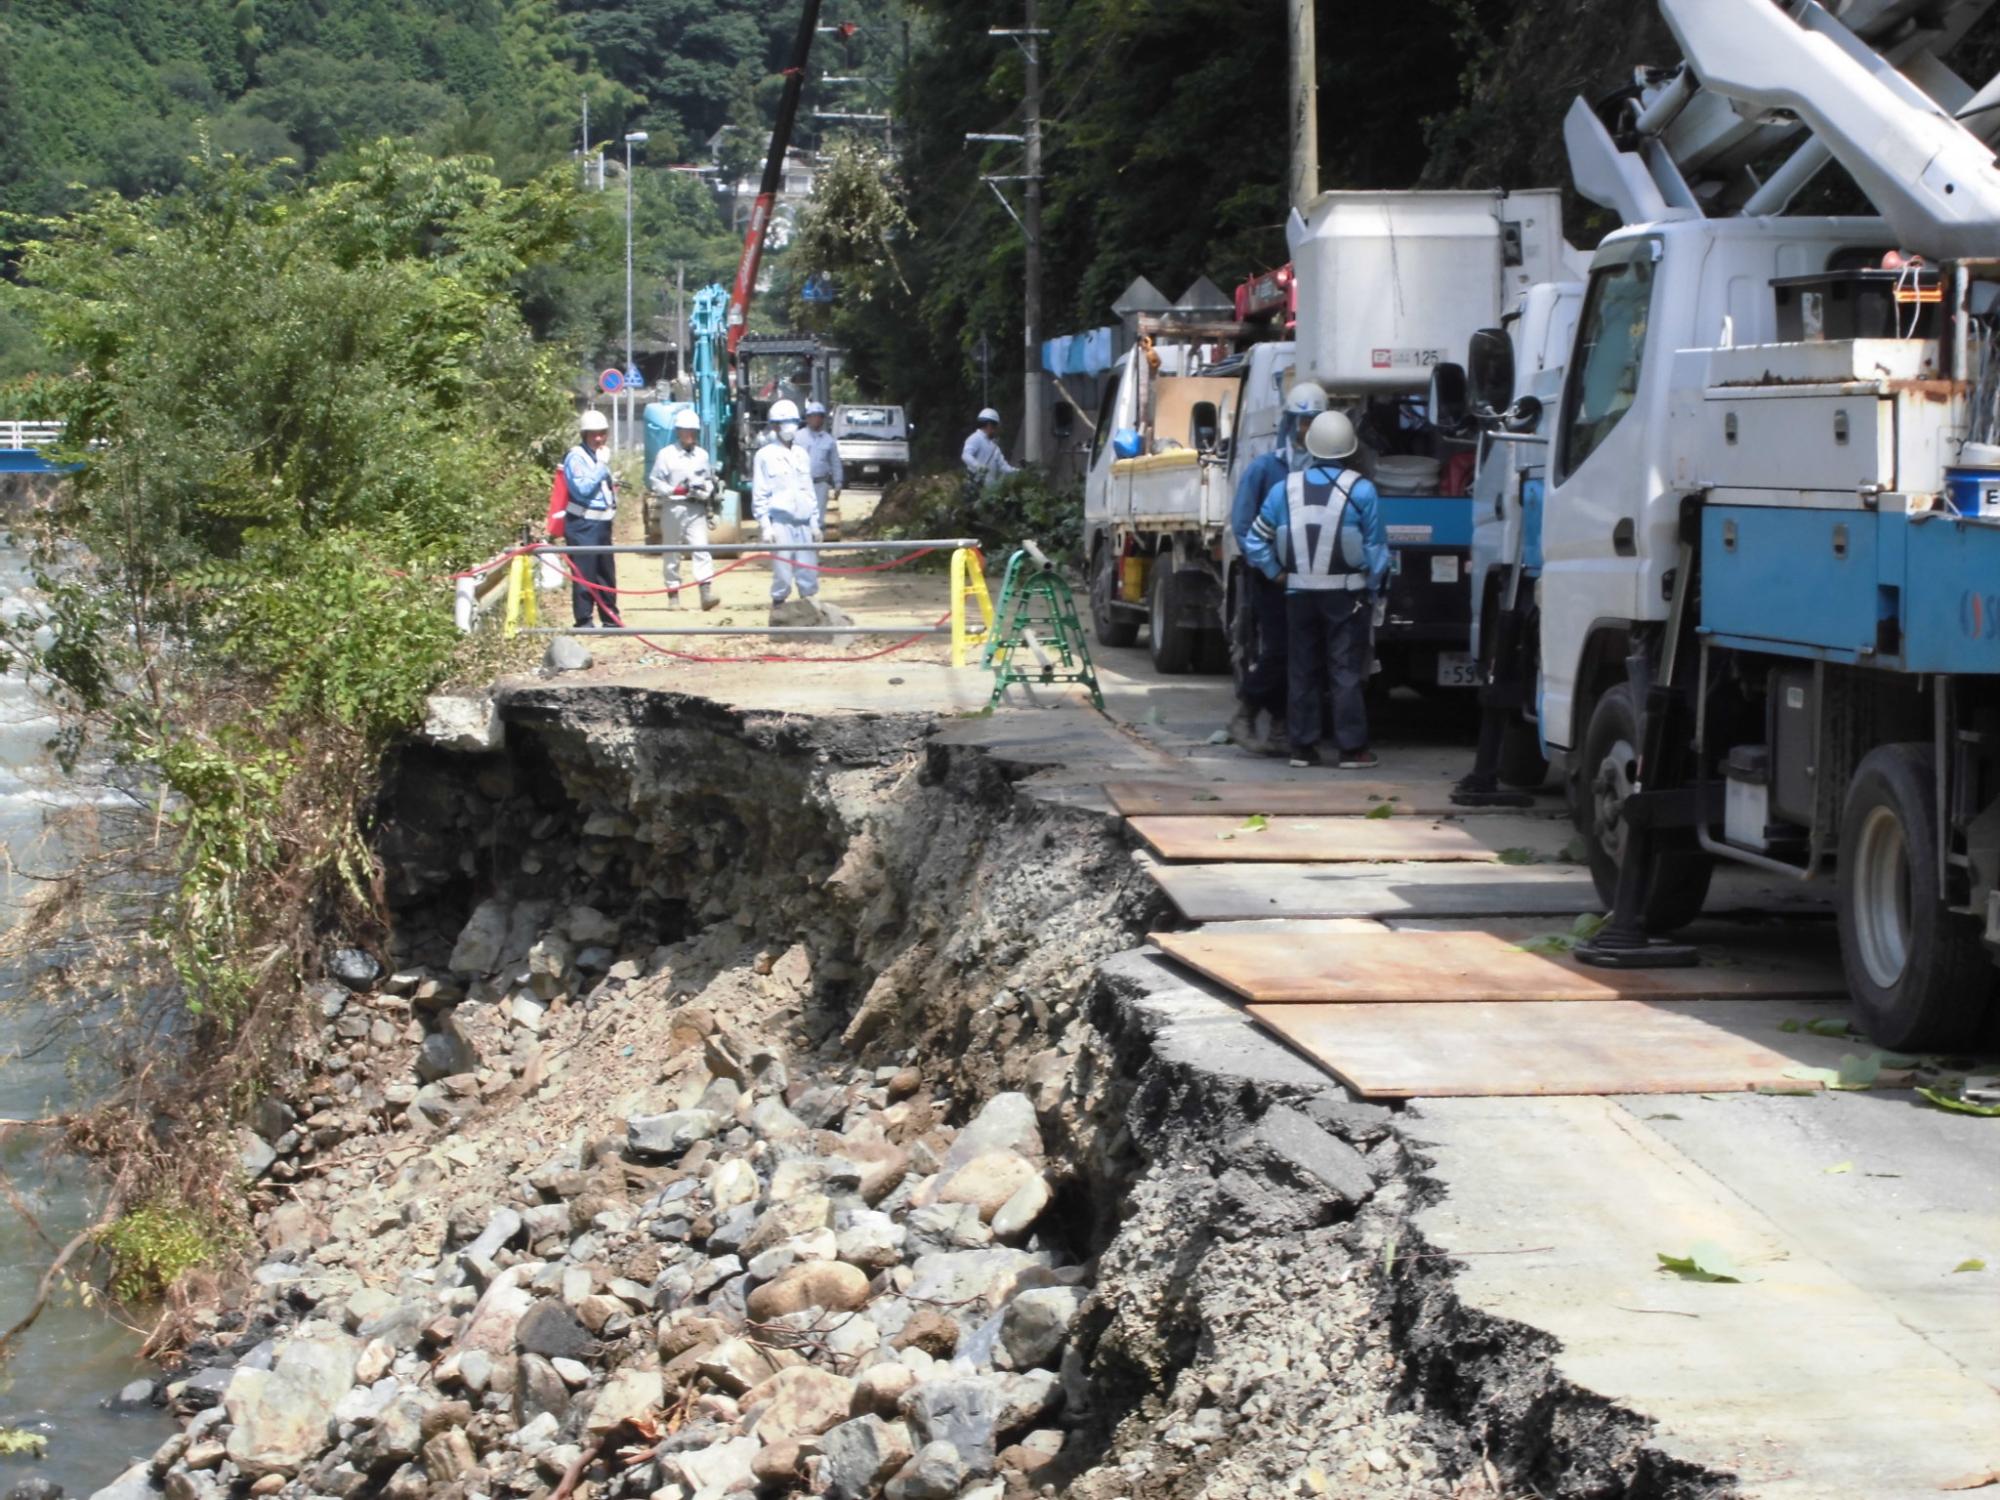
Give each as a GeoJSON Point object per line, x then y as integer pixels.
{"type": "Point", "coordinates": [1457, 669]}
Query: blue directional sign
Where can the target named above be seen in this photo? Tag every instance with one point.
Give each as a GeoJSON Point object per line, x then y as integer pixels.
{"type": "Point", "coordinates": [609, 381]}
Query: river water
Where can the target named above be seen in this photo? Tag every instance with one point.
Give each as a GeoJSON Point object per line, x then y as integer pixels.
{"type": "Point", "coordinates": [74, 1357]}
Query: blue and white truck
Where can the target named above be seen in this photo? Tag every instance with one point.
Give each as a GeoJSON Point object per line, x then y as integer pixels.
{"type": "Point", "coordinates": [1763, 603]}
{"type": "Point", "coordinates": [1387, 285]}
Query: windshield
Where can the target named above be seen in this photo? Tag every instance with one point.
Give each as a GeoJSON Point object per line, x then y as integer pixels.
{"type": "Point", "coordinates": [1610, 346]}
{"type": "Point", "coordinates": [873, 421]}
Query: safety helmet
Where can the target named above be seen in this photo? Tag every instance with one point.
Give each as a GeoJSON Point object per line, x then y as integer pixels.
{"type": "Point", "coordinates": [988, 414]}
{"type": "Point", "coordinates": [1331, 436]}
{"type": "Point", "coordinates": [595, 421]}
{"type": "Point", "coordinates": [1305, 399]}
{"type": "Point", "coordinates": [685, 420]}
{"type": "Point", "coordinates": [815, 408]}
{"type": "Point", "coordinates": [783, 411]}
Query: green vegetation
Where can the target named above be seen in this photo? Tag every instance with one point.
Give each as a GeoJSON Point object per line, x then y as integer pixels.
{"type": "Point", "coordinates": [153, 1246]}
{"type": "Point", "coordinates": [301, 406]}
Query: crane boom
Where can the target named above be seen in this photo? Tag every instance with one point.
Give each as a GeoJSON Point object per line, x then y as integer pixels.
{"type": "Point", "coordinates": [745, 285]}
{"type": "Point", "coordinates": [1929, 176]}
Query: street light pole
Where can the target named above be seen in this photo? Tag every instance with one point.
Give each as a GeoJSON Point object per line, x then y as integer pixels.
{"type": "Point", "coordinates": [632, 138]}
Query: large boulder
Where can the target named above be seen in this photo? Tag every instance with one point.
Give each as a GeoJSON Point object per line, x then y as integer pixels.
{"type": "Point", "coordinates": [964, 1412]}
{"type": "Point", "coordinates": [629, 1394]}
{"type": "Point", "coordinates": [830, 1284]}
{"type": "Point", "coordinates": [1007, 1123]}
{"type": "Point", "coordinates": [279, 1417]}
{"type": "Point", "coordinates": [987, 1182]}
{"type": "Point", "coordinates": [1036, 1324]}
{"type": "Point", "coordinates": [802, 1402]}
{"type": "Point", "coordinates": [860, 1454]}
{"type": "Point", "coordinates": [662, 1137]}
{"type": "Point", "coordinates": [482, 939]}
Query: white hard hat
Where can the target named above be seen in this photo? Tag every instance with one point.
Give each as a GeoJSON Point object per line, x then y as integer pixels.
{"type": "Point", "coordinates": [783, 411]}
{"type": "Point", "coordinates": [1305, 399]}
{"type": "Point", "coordinates": [685, 420]}
{"type": "Point", "coordinates": [815, 409]}
{"type": "Point", "coordinates": [595, 421]}
{"type": "Point", "coordinates": [1331, 436]}
{"type": "Point", "coordinates": [987, 414]}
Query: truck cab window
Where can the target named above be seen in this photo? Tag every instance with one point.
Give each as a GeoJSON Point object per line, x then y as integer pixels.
{"type": "Point", "coordinates": [1604, 379]}
{"type": "Point", "coordinates": [1105, 407]}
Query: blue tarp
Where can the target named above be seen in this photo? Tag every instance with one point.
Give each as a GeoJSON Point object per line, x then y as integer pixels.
{"type": "Point", "coordinates": [1090, 353]}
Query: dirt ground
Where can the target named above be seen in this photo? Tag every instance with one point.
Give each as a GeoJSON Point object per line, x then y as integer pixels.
{"type": "Point", "coordinates": [915, 593]}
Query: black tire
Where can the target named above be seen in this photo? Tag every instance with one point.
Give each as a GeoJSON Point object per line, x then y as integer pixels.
{"type": "Point", "coordinates": [1522, 763]}
{"type": "Point", "coordinates": [1173, 643]}
{"type": "Point", "coordinates": [1112, 628]}
{"type": "Point", "coordinates": [1605, 775]}
{"type": "Point", "coordinates": [1919, 973]}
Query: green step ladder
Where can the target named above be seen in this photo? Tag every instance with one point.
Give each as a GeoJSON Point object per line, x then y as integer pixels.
{"type": "Point", "coordinates": [1036, 616]}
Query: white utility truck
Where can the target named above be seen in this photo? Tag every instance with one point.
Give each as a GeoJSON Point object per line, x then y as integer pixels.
{"type": "Point", "coordinates": [874, 443]}
{"type": "Point", "coordinates": [1388, 285]}
{"type": "Point", "coordinates": [1766, 622]}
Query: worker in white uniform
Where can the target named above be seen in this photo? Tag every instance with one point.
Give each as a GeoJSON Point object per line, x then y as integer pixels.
{"type": "Point", "coordinates": [981, 455]}
{"type": "Point", "coordinates": [681, 487]}
{"type": "Point", "coordinates": [786, 509]}
{"type": "Point", "coordinates": [824, 451]}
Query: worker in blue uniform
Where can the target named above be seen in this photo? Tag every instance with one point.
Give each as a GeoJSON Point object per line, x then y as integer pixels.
{"type": "Point", "coordinates": [1321, 531]}
{"type": "Point", "coordinates": [587, 522]}
{"type": "Point", "coordinates": [1261, 687]}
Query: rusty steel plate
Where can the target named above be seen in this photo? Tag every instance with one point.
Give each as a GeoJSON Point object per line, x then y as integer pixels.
{"type": "Point", "coordinates": [1346, 967]}
{"type": "Point", "coordinates": [1325, 797]}
{"type": "Point", "coordinates": [1477, 1048]}
{"type": "Point", "coordinates": [1517, 841]}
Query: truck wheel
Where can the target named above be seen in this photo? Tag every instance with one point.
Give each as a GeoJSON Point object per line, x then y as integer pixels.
{"type": "Point", "coordinates": [1173, 642]}
{"type": "Point", "coordinates": [1608, 775]}
{"type": "Point", "coordinates": [1522, 763]}
{"type": "Point", "coordinates": [1112, 629]}
{"type": "Point", "coordinates": [1919, 973]}
{"type": "Point", "coordinates": [1211, 657]}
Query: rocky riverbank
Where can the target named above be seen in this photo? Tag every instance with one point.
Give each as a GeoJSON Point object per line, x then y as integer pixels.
{"type": "Point", "coordinates": [752, 1105]}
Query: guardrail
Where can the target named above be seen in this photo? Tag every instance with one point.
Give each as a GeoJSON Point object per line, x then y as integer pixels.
{"type": "Point", "coordinates": [512, 577]}
{"type": "Point", "coordinates": [19, 434]}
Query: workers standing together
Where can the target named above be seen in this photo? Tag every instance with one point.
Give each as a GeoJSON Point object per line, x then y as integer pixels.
{"type": "Point", "coordinates": [1262, 689]}
{"type": "Point", "coordinates": [1320, 530]}
{"type": "Point", "coordinates": [824, 451]}
{"type": "Point", "coordinates": [587, 522]}
{"type": "Point", "coordinates": [680, 489]}
{"type": "Point", "coordinates": [981, 455]}
{"type": "Point", "coordinates": [786, 508]}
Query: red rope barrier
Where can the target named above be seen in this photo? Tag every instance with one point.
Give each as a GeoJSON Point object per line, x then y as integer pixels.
{"type": "Point", "coordinates": [598, 592]}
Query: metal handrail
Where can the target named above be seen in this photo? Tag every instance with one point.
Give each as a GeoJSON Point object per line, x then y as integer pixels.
{"type": "Point", "coordinates": [15, 433]}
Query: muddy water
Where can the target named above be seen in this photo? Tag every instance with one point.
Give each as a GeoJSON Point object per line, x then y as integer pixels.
{"type": "Point", "coordinates": [73, 1358]}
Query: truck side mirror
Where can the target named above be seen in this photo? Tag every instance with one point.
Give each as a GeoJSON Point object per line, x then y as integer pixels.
{"type": "Point", "coordinates": [1489, 366]}
{"type": "Point", "coordinates": [1447, 407]}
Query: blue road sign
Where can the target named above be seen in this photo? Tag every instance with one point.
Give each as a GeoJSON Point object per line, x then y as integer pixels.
{"type": "Point", "coordinates": [609, 381]}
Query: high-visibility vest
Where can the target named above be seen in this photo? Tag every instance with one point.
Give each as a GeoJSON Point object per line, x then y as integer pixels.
{"type": "Point", "coordinates": [1327, 547]}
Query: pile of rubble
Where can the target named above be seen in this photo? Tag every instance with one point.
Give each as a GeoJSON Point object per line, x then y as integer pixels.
{"type": "Point", "coordinates": [598, 1221]}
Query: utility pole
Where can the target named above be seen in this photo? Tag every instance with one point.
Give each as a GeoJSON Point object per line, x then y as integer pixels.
{"type": "Point", "coordinates": [632, 138]}
{"type": "Point", "coordinates": [1302, 183]}
{"type": "Point", "coordinates": [583, 156]}
{"type": "Point", "coordinates": [1029, 39]}
{"type": "Point", "coordinates": [1031, 326]}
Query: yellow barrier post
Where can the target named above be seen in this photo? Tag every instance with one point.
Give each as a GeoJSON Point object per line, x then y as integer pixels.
{"type": "Point", "coordinates": [968, 579]}
{"type": "Point", "coordinates": [521, 607]}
